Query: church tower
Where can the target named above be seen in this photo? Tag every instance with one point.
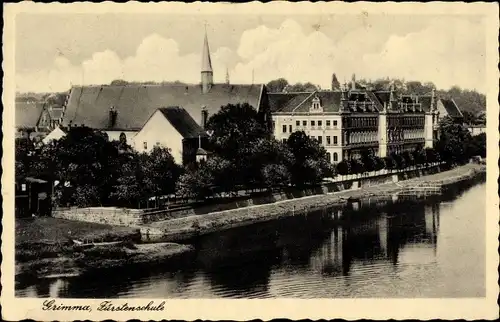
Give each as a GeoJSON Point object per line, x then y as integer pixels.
{"type": "Point", "coordinates": [207, 74]}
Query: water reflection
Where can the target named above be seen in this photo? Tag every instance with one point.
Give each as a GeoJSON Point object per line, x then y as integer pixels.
{"type": "Point", "coordinates": [377, 247]}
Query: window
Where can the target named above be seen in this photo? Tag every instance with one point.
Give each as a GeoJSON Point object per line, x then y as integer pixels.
{"type": "Point", "coordinates": [297, 123]}
{"type": "Point", "coordinates": [284, 128]}
{"type": "Point", "coordinates": [328, 140]}
{"type": "Point", "coordinates": [328, 123]}
{"type": "Point", "coordinates": [145, 144]}
{"type": "Point", "coordinates": [335, 156]}
{"type": "Point", "coordinates": [328, 156]}
{"type": "Point", "coordinates": [290, 128]}
{"type": "Point", "coordinates": [304, 123]}
{"type": "Point", "coordinates": [334, 123]}
{"type": "Point", "coordinates": [320, 123]}
{"type": "Point", "coordinates": [335, 142]}
{"type": "Point", "coordinates": [284, 141]}
{"type": "Point", "coordinates": [23, 187]}
{"type": "Point", "coordinates": [274, 125]}
{"type": "Point", "coordinates": [320, 139]}
{"type": "Point", "coordinates": [313, 123]}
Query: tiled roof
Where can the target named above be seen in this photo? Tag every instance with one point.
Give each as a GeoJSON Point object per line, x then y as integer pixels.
{"type": "Point", "coordinates": [279, 100]}
{"type": "Point", "coordinates": [182, 122]}
{"type": "Point", "coordinates": [28, 114]}
{"type": "Point", "coordinates": [301, 102]}
{"type": "Point", "coordinates": [451, 108]}
{"type": "Point", "coordinates": [89, 105]}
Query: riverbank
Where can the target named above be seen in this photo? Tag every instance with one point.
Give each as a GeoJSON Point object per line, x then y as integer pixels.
{"type": "Point", "coordinates": [191, 226]}
{"type": "Point", "coordinates": [46, 247]}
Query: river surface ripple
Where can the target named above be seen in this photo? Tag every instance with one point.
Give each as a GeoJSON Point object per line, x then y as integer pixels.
{"type": "Point", "coordinates": [432, 247]}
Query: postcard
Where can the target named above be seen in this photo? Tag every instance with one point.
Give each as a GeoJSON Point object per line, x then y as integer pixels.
{"type": "Point", "coordinates": [224, 161]}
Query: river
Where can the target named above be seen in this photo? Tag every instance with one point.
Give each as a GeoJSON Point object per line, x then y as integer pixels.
{"type": "Point", "coordinates": [410, 247]}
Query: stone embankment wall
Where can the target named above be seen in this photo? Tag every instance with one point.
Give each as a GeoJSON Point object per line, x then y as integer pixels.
{"type": "Point", "coordinates": [136, 217]}
{"type": "Point", "coordinates": [102, 215]}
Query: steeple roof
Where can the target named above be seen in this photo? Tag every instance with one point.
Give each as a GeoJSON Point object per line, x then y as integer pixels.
{"type": "Point", "coordinates": [206, 62]}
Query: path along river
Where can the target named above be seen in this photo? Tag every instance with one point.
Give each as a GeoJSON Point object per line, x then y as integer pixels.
{"type": "Point", "coordinates": [410, 247]}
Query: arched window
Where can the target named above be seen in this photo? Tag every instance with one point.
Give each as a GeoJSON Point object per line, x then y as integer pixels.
{"type": "Point", "coordinates": [328, 156]}
{"type": "Point", "coordinates": [335, 156]}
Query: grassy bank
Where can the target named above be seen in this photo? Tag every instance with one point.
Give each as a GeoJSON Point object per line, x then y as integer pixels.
{"type": "Point", "coordinates": [187, 227]}
{"type": "Point", "coordinates": [44, 247]}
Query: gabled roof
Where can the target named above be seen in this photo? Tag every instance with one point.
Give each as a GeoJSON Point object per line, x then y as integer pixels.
{"type": "Point", "coordinates": [278, 100]}
{"type": "Point", "coordinates": [28, 114]}
{"type": "Point", "coordinates": [451, 108]}
{"type": "Point", "coordinates": [301, 102]}
{"type": "Point", "coordinates": [90, 105]}
{"type": "Point", "coordinates": [182, 122]}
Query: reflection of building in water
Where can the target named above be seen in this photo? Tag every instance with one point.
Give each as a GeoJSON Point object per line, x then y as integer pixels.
{"type": "Point", "coordinates": [379, 234]}
{"type": "Point", "coordinates": [328, 258]}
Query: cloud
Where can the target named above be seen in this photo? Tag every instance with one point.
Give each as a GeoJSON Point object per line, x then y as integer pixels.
{"type": "Point", "coordinates": [449, 51]}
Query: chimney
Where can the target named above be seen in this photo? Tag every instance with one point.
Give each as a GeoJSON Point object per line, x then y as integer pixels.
{"type": "Point", "coordinates": [204, 116]}
{"type": "Point", "coordinates": [112, 116]}
{"type": "Point", "coordinates": [353, 82]}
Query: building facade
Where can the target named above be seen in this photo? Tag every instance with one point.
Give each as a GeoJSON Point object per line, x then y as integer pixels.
{"type": "Point", "coordinates": [353, 120]}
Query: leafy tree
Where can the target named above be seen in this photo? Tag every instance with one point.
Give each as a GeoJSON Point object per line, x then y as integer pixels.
{"type": "Point", "coordinates": [308, 153]}
{"type": "Point", "coordinates": [357, 166]}
{"type": "Point", "coordinates": [162, 171]}
{"type": "Point", "coordinates": [221, 173]}
{"type": "Point", "coordinates": [85, 157]}
{"type": "Point", "coordinates": [452, 143]}
{"type": "Point", "coordinates": [277, 85]}
{"type": "Point", "coordinates": [195, 183]}
{"type": "Point", "coordinates": [390, 162]}
{"type": "Point", "coordinates": [275, 175]}
{"type": "Point", "coordinates": [344, 167]}
{"type": "Point", "coordinates": [369, 160]}
{"type": "Point", "coordinates": [132, 185]}
{"type": "Point", "coordinates": [399, 161]}
{"type": "Point", "coordinates": [408, 158]}
{"type": "Point", "coordinates": [477, 145]}
{"type": "Point", "coordinates": [301, 87]}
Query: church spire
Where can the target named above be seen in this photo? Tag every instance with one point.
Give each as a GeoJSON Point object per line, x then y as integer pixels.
{"type": "Point", "coordinates": [227, 76]}
{"type": "Point", "coordinates": [207, 73]}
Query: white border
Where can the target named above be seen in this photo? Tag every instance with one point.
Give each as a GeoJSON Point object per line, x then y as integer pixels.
{"type": "Point", "coordinates": [15, 308]}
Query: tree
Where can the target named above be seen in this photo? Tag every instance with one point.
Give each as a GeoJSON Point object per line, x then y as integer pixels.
{"type": "Point", "coordinates": [195, 183]}
{"type": "Point", "coordinates": [161, 170]}
{"type": "Point", "coordinates": [132, 185]}
{"type": "Point", "coordinates": [357, 166]}
{"type": "Point", "coordinates": [277, 85]}
{"type": "Point", "coordinates": [308, 153]}
{"type": "Point", "coordinates": [119, 82]}
{"type": "Point", "coordinates": [85, 157]}
{"type": "Point", "coordinates": [452, 143]}
{"type": "Point", "coordinates": [335, 82]}
{"type": "Point", "coordinates": [301, 87]}
{"type": "Point", "coordinates": [390, 162]}
{"type": "Point", "coordinates": [236, 130]}
{"type": "Point", "coordinates": [344, 167]}
{"type": "Point", "coordinates": [369, 161]}
{"type": "Point", "coordinates": [275, 175]}
{"type": "Point", "coordinates": [408, 158]}
{"type": "Point", "coordinates": [477, 146]}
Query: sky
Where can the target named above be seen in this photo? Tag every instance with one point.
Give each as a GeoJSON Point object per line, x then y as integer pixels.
{"type": "Point", "coordinates": [54, 51]}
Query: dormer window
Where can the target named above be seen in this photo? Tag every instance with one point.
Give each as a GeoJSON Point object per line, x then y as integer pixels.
{"type": "Point", "coordinates": [316, 105]}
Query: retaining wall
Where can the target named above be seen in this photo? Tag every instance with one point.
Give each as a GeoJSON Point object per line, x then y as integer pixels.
{"type": "Point", "coordinates": [134, 217]}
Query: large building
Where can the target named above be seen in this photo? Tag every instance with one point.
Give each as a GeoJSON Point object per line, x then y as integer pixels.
{"type": "Point", "coordinates": [125, 109]}
{"type": "Point", "coordinates": [354, 119]}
